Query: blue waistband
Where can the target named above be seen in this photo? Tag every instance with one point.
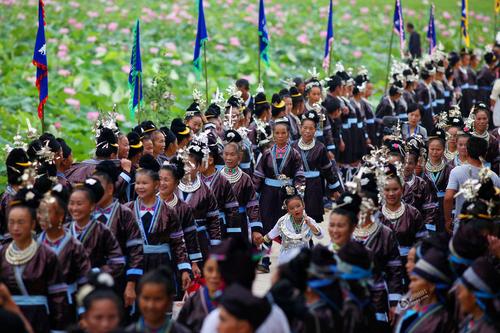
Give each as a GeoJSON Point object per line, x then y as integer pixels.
{"type": "Point", "coordinates": [311, 174]}
{"type": "Point", "coordinates": [276, 182]}
{"type": "Point", "coordinates": [370, 121]}
{"type": "Point", "coordinates": [162, 248]}
{"type": "Point", "coordinates": [246, 165]}
{"type": "Point", "coordinates": [440, 194]}
{"type": "Point", "coordinates": [31, 300]}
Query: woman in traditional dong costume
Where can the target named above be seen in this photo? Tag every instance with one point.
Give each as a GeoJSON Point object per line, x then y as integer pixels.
{"type": "Point", "coordinates": [261, 117]}
{"type": "Point", "coordinates": [73, 258]}
{"type": "Point", "coordinates": [122, 223]}
{"type": "Point", "coordinates": [227, 203]}
{"type": "Point", "coordinates": [242, 186]}
{"type": "Point", "coordinates": [437, 172]}
{"type": "Point", "coordinates": [480, 115]}
{"type": "Point", "coordinates": [281, 165]}
{"type": "Point", "coordinates": [317, 167]}
{"type": "Point", "coordinates": [98, 240]}
{"type": "Point", "coordinates": [160, 228]}
{"type": "Point", "coordinates": [200, 198]}
{"type": "Point", "coordinates": [31, 271]}
{"type": "Point", "coordinates": [171, 174]}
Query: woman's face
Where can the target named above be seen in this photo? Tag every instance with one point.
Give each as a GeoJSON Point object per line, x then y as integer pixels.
{"type": "Point", "coordinates": [123, 146]}
{"type": "Point", "coordinates": [419, 287]}
{"type": "Point", "coordinates": [80, 207]}
{"type": "Point", "coordinates": [148, 147]}
{"type": "Point", "coordinates": [158, 143]}
{"type": "Point", "coordinates": [195, 123]}
{"type": "Point", "coordinates": [230, 324]}
{"type": "Point", "coordinates": [314, 95]}
{"type": "Point", "coordinates": [481, 122]}
{"type": "Point", "coordinates": [288, 104]}
{"type": "Point", "coordinates": [194, 167]}
{"type": "Point", "coordinates": [392, 192]}
{"type": "Point", "coordinates": [414, 118]}
{"type": "Point", "coordinates": [410, 261]}
{"type": "Point", "coordinates": [280, 135]}
{"type": "Point", "coordinates": [307, 130]}
{"type": "Point", "coordinates": [50, 215]}
{"type": "Point", "coordinates": [340, 229]}
{"type": "Point", "coordinates": [102, 317]}
{"type": "Point", "coordinates": [436, 150]}
{"type": "Point", "coordinates": [145, 186]}
{"type": "Point", "coordinates": [20, 223]}
{"type": "Point", "coordinates": [212, 275]}
{"type": "Point", "coordinates": [410, 165]}
{"type": "Point", "coordinates": [466, 299]}
{"type": "Point", "coordinates": [462, 146]}
{"type": "Point", "coordinates": [452, 137]}
{"type": "Point", "coordinates": [231, 156]}
{"type": "Point", "coordinates": [168, 183]}
{"type": "Point", "coordinates": [154, 302]}
{"type": "Point", "coordinates": [295, 208]}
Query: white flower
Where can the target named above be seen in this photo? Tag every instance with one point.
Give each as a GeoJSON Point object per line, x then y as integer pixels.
{"type": "Point", "coordinates": [347, 200]}
{"type": "Point", "coordinates": [106, 279]}
{"type": "Point", "coordinates": [29, 196]}
{"type": "Point", "coordinates": [57, 188]}
{"type": "Point", "coordinates": [90, 181]}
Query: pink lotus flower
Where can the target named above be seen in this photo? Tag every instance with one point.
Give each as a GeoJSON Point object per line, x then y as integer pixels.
{"type": "Point", "coordinates": [364, 10]}
{"type": "Point", "coordinates": [302, 38]}
{"type": "Point", "coordinates": [126, 69]}
{"type": "Point", "coordinates": [92, 115]}
{"type": "Point", "coordinates": [74, 103]}
{"type": "Point", "coordinates": [345, 41]}
{"type": "Point", "coordinates": [62, 47]}
{"type": "Point", "coordinates": [346, 17]}
{"type": "Point", "coordinates": [91, 39]}
{"type": "Point", "coordinates": [446, 33]}
{"type": "Point", "coordinates": [220, 47]}
{"type": "Point", "coordinates": [69, 91]}
{"type": "Point", "coordinates": [176, 62]}
{"type": "Point", "coordinates": [171, 46]}
{"type": "Point", "coordinates": [92, 14]}
{"type": "Point", "coordinates": [446, 15]}
{"type": "Point", "coordinates": [96, 62]}
{"type": "Point", "coordinates": [323, 34]}
{"type": "Point", "coordinates": [101, 50]}
{"type": "Point", "coordinates": [74, 4]}
{"type": "Point", "coordinates": [357, 54]}
{"type": "Point", "coordinates": [63, 31]}
{"type": "Point", "coordinates": [410, 12]}
{"type": "Point", "coordinates": [234, 41]}
{"type": "Point", "coordinates": [154, 50]}
{"type": "Point", "coordinates": [64, 72]}
{"type": "Point", "coordinates": [125, 31]}
{"type": "Point", "coordinates": [72, 21]}
{"type": "Point", "coordinates": [112, 26]}
{"type": "Point", "coordinates": [120, 117]}
{"type": "Point", "coordinates": [79, 26]}
{"type": "Point", "coordinates": [57, 125]}
{"type": "Point", "coordinates": [353, 2]}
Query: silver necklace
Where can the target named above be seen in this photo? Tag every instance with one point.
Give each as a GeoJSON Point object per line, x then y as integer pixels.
{"type": "Point", "coordinates": [411, 181]}
{"type": "Point", "coordinates": [18, 257]}
{"type": "Point", "coordinates": [393, 215]}
{"type": "Point", "coordinates": [232, 175]}
{"type": "Point", "coordinates": [191, 187]}
{"type": "Point", "coordinates": [434, 168]}
{"type": "Point", "coordinates": [306, 146]}
{"type": "Point", "coordinates": [361, 233]}
{"type": "Point", "coordinates": [449, 155]}
{"type": "Point", "coordinates": [172, 203]}
{"type": "Point", "coordinates": [485, 135]}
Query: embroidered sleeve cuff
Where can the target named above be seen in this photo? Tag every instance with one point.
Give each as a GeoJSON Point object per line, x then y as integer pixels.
{"type": "Point", "coordinates": [394, 297]}
{"type": "Point", "coordinates": [134, 242]}
{"type": "Point", "coordinates": [135, 271]}
{"type": "Point", "coordinates": [233, 230]}
{"type": "Point", "coordinates": [184, 266]}
{"type": "Point", "coordinates": [125, 177]}
{"type": "Point", "coordinates": [334, 185]}
{"type": "Point", "coordinates": [215, 242]}
{"type": "Point", "coordinates": [195, 256]}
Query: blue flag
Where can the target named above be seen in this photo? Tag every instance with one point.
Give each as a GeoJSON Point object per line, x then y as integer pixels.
{"type": "Point", "coordinates": [431, 32]}
{"type": "Point", "coordinates": [399, 25]}
{"type": "Point", "coordinates": [135, 75]}
{"type": "Point", "coordinates": [263, 35]}
{"type": "Point", "coordinates": [329, 38]}
{"type": "Point", "coordinates": [464, 25]}
{"type": "Point", "coordinates": [201, 38]}
{"type": "Point", "coordinates": [40, 61]}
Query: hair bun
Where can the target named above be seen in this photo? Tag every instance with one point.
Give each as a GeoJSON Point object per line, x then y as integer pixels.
{"type": "Point", "coordinates": [176, 165]}
{"type": "Point", "coordinates": [109, 168]}
{"type": "Point", "coordinates": [276, 99]}
{"type": "Point", "coordinates": [95, 187]}
{"type": "Point", "coordinates": [107, 135]}
{"type": "Point", "coordinates": [149, 162]}
{"type": "Point", "coordinates": [27, 196]}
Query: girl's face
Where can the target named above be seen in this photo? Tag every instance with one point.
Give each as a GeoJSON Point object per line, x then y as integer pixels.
{"type": "Point", "coordinates": [340, 229]}
{"type": "Point", "coordinates": [194, 168]}
{"type": "Point", "coordinates": [307, 130]}
{"type": "Point", "coordinates": [154, 302]}
{"type": "Point", "coordinates": [195, 124]}
{"type": "Point", "coordinates": [230, 324]}
{"type": "Point", "coordinates": [288, 104]}
{"type": "Point", "coordinates": [462, 146]}
{"type": "Point", "coordinates": [466, 299]}
{"type": "Point", "coordinates": [231, 156]}
{"type": "Point", "coordinates": [452, 137]}
{"type": "Point", "coordinates": [158, 143]}
{"type": "Point", "coordinates": [50, 215]}
{"type": "Point", "coordinates": [148, 147]}
{"type": "Point", "coordinates": [212, 275]}
{"type": "Point", "coordinates": [410, 261]}
{"type": "Point", "coordinates": [168, 183]}
{"type": "Point", "coordinates": [280, 135]}
{"type": "Point", "coordinates": [295, 208]}
{"type": "Point", "coordinates": [436, 150]}
{"type": "Point", "coordinates": [20, 223]}
{"type": "Point", "coordinates": [481, 122]}
{"type": "Point", "coordinates": [392, 192]}
{"type": "Point", "coordinates": [102, 317]}
{"type": "Point", "coordinates": [80, 207]}
{"type": "Point", "coordinates": [145, 186]}
{"type": "Point", "coordinates": [123, 146]}
{"type": "Point", "coordinates": [414, 118]}
{"type": "Point", "coordinates": [410, 164]}
{"type": "Point", "coordinates": [419, 287]}
{"type": "Point", "coordinates": [314, 95]}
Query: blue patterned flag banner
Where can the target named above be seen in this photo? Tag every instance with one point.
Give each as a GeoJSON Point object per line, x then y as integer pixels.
{"type": "Point", "coordinates": [135, 75]}
{"type": "Point", "coordinates": [464, 25]}
{"type": "Point", "coordinates": [399, 25]}
{"type": "Point", "coordinates": [263, 35]}
{"type": "Point", "coordinates": [329, 38]}
{"type": "Point", "coordinates": [201, 38]}
{"type": "Point", "coordinates": [431, 32]}
{"type": "Point", "coordinates": [40, 61]}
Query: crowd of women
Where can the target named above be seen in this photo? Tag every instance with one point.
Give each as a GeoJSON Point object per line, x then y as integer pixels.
{"type": "Point", "coordinates": [165, 228]}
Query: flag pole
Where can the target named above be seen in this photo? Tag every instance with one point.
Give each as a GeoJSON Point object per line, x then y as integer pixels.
{"type": "Point", "coordinates": [258, 59]}
{"type": "Point", "coordinates": [43, 119]}
{"type": "Point", "coordinates": [389, 58]}
{"type": "Point", "coordinates": [139, 103]}
{"type": "Point", "coordinates": [330, 59]}
{"type": "Point", "coordinates": [205, 68]}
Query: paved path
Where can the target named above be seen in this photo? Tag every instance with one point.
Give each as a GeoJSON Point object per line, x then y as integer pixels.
{"type": "Point", "coordinates": [262, 282]}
